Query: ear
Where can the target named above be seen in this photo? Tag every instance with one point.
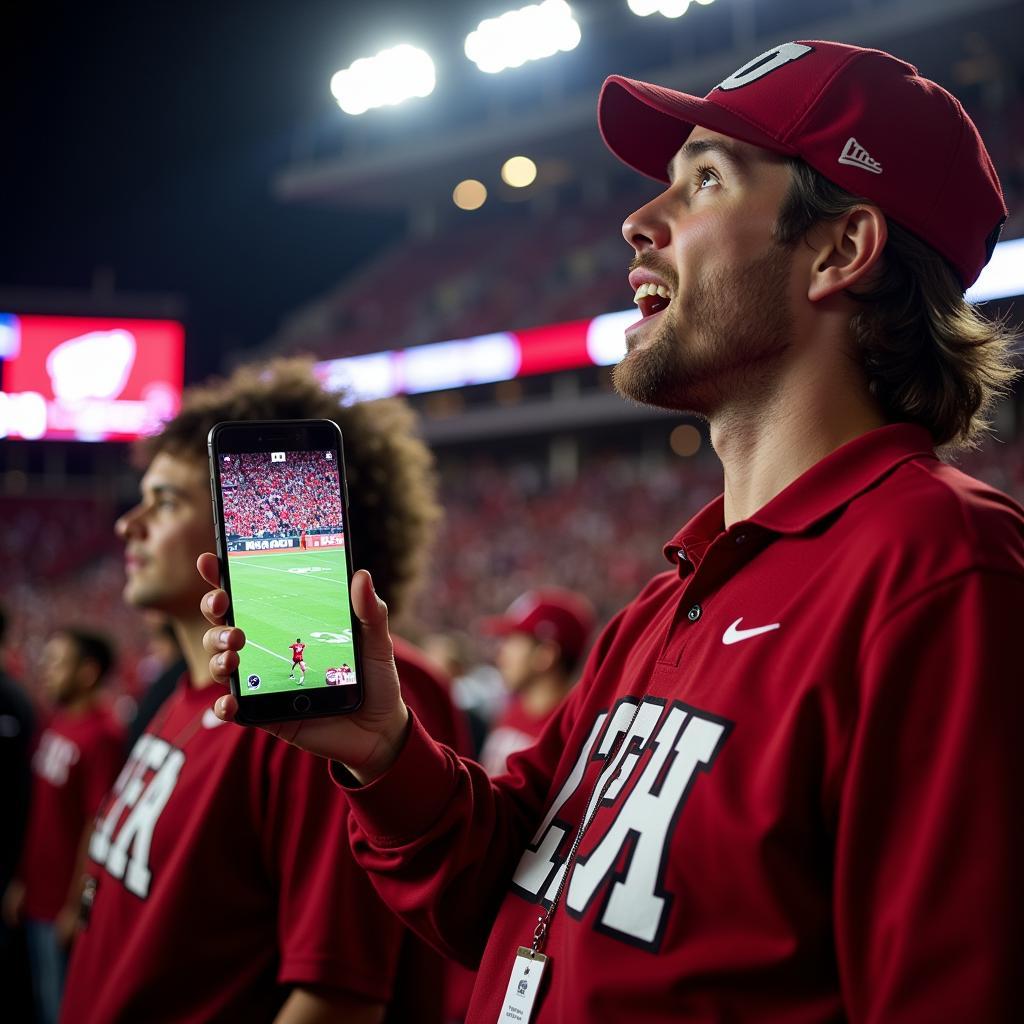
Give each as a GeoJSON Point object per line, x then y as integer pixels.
{"type": "Point", "coordinates": [847, 251]}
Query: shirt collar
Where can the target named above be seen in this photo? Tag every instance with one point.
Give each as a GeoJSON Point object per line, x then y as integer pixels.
{"type": "Point", "coordinates": [828, 485]}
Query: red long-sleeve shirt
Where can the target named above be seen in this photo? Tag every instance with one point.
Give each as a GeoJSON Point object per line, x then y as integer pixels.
{"type": "Point", "coordinates": [819, 814]}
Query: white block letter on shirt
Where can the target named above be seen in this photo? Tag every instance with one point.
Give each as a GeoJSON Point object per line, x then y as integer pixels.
{"type": "Point", "coordinates": [637, 904]}
{"type": "Point", "coordinates": [136, 834]}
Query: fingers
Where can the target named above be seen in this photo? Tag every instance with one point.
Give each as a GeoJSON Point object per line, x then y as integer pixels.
{"type": "Point", "coordinates": [226, 707]}
{"type": "Point", "coordinates": [223, 644]}
{"type": "Point", "coordinates": [214, 606]}
{"type": "Point", "coordinates": [223, 638]}
{"type": "Point", "coordinates": [209, 568]}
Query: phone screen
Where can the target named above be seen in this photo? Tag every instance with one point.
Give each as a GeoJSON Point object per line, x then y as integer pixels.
{"type": "Point", "coordinates": [284, 536]}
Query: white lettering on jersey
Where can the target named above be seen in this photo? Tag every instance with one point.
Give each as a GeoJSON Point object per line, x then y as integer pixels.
{"type": "Point", "coordinates": [54, 757]}
{"type": "Point", "coordinates": [764, 64]}
{"type": "Point", "coordinates": [127, 856]}
{"type": "Point", "coordinates": [636, 905]}
{"type": "Point", "coordinates": [665, 751]}
{"type": "Point", "coordinates": [540, 859]}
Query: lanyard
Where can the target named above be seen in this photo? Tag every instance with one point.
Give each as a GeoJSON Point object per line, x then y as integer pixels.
{"type": "Point", "coordinates": [543, 923]}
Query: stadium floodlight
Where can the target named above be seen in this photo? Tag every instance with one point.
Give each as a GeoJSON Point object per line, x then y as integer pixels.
{"type": "Point", "coordinates": [666, 8]}
{"type": "Point", "coordinates": [518, 171]}
{"type": "Point", "coordinates": [530, 33]}
{"type": "Point", "coordinates": [392, 76]}
{"type": "Point", "coordinates": [1003, 275]}
{"type": "Point", "coordinates": [469, 194]}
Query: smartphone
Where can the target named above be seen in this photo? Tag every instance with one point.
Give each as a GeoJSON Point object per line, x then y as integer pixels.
{"type": "Point", "coordinates": [281, 515]}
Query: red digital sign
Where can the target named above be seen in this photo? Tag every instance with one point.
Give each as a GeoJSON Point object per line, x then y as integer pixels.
{"type": "Point", "coordinates": [88, 379]}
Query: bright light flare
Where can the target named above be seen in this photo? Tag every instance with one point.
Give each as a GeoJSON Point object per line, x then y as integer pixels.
{"type": "Point", "coordinates": [666, 8]}
{"type": "Point", "coordinates": [391, 77]}
{"type": "Point", "coordinates": [518, 171]}
{"type": "Point", "coordinates": [531, 33]}
{"type": "Point", "coordinates": [469, 194]}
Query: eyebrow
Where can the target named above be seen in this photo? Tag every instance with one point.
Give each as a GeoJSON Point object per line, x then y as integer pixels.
{"type": "Point", "coordinates": [696, 148]}
{"type": "Point", "coordinates": [161, 490]}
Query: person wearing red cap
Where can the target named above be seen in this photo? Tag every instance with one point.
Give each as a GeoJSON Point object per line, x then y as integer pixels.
{"type": "Point", "coordinates": [787, 786]}
{"type": "Point", "coordinates": [544, 635]}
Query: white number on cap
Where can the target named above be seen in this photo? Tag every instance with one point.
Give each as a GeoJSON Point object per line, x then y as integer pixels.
{"type": "Point", "coordinates": [765, 64]}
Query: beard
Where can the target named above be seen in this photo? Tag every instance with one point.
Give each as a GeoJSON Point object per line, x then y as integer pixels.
{"type": "Point", "coordinates": [716, 345]}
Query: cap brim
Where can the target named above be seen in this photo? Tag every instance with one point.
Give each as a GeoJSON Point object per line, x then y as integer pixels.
{"type": "Point", "coordinates": [498, 625]}
{"type": "Point", "coordinates": [644, 125]}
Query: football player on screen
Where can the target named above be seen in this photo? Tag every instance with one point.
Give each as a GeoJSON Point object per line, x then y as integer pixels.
{"type": "Point", "coordinates": [297, 649]}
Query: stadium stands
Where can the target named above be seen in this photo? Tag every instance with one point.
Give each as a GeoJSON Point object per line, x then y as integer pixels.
{"type": "Point", "coordinates": [263, 497]}
{"type": "Point", "coordinates": [63, 566]}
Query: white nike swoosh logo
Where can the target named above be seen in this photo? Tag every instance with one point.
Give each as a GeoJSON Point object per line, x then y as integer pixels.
{"type": "Point", "coordinates": [210, 719]}
{"type": "Point", "coordinates": [733, 635]}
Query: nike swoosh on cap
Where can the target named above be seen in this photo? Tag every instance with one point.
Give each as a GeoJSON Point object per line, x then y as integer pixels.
{"type": "Point", "coordinates": [733, 635]}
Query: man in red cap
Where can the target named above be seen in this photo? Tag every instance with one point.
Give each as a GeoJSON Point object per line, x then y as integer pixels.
{"type": "Point", "coordinates": [787, 786]}
{"type": "Point", "coordinates": [544, 636]}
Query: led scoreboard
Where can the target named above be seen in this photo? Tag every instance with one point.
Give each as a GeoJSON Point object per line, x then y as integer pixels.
{"type": "Point", "coordinates": [88, 378]}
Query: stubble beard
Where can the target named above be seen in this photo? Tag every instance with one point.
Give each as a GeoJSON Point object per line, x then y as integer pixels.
{"type": "Point", "coordinates": [148, 595]}
{"type": "Point", "coordinates": [726, 339]}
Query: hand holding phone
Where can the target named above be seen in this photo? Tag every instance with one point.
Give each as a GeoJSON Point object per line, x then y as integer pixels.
{"type": "Point", "coordinates": [366, 741]}
{"type": "Point", "coordinates": [285, 557]}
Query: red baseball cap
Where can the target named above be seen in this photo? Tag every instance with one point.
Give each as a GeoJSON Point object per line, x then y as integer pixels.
{"type": "Point", "coordinates": [864, 119]}
{"type": "Point", "coordinates": [548, 613]}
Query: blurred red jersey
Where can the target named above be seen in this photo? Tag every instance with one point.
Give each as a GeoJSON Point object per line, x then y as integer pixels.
{"type": "Point", "coordinates": [225, 878]}
{"type": "Point", "coordinates": [297, 650]}
{"type": "Point", "coordinates": [75, 764]}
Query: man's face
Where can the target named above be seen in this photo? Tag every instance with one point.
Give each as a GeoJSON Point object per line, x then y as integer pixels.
{"type": "Point", "coordinates": [515, 660]}
{"type": "Point", "coordinates": [165, 533]}
{"type": "Point", "coordinates": [61, 669]}
{"type": "Point", "coordinates": [707, 239]}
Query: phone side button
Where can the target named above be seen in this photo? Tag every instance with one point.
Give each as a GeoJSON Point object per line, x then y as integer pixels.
{"type": "Point", "coordinates": [301, 703]}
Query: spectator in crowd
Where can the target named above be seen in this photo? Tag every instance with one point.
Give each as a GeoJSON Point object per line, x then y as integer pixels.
{"type": "Point", "coordinates": [787, 786]}
{"type": "Point", "coordinates": [544, 637]}
{"type": "Point", "coordinates": [476, 687]}
{"type": "Point", "coordinates": [79, 754]}
{"type": "Point", "coordinates": [294, 932]}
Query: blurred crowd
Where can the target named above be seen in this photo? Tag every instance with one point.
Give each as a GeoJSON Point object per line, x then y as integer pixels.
{"type": "Point", "coordinates": [264, 497]}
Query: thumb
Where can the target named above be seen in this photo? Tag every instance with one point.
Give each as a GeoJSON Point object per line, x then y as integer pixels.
{"type": "Point", "coordinates": [372, 613]}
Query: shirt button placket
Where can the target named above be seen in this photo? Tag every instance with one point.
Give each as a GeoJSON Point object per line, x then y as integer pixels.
{"type": "Point", "coordinates": [694, 613]}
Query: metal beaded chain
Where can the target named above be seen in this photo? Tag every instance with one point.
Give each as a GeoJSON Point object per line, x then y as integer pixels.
{"type": "Point", "coordinates": [540, 931]}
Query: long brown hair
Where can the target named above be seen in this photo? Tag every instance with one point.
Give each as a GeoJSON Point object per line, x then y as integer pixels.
{"type": "Point", "coordinates": [929, 355]}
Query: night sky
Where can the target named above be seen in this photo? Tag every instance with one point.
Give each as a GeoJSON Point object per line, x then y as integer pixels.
{"type": "Point", "coordinates": [144, 138]}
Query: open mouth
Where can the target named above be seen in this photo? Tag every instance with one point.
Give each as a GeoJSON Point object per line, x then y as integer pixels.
{"type": "Point", "coordinates": [652, 298]}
